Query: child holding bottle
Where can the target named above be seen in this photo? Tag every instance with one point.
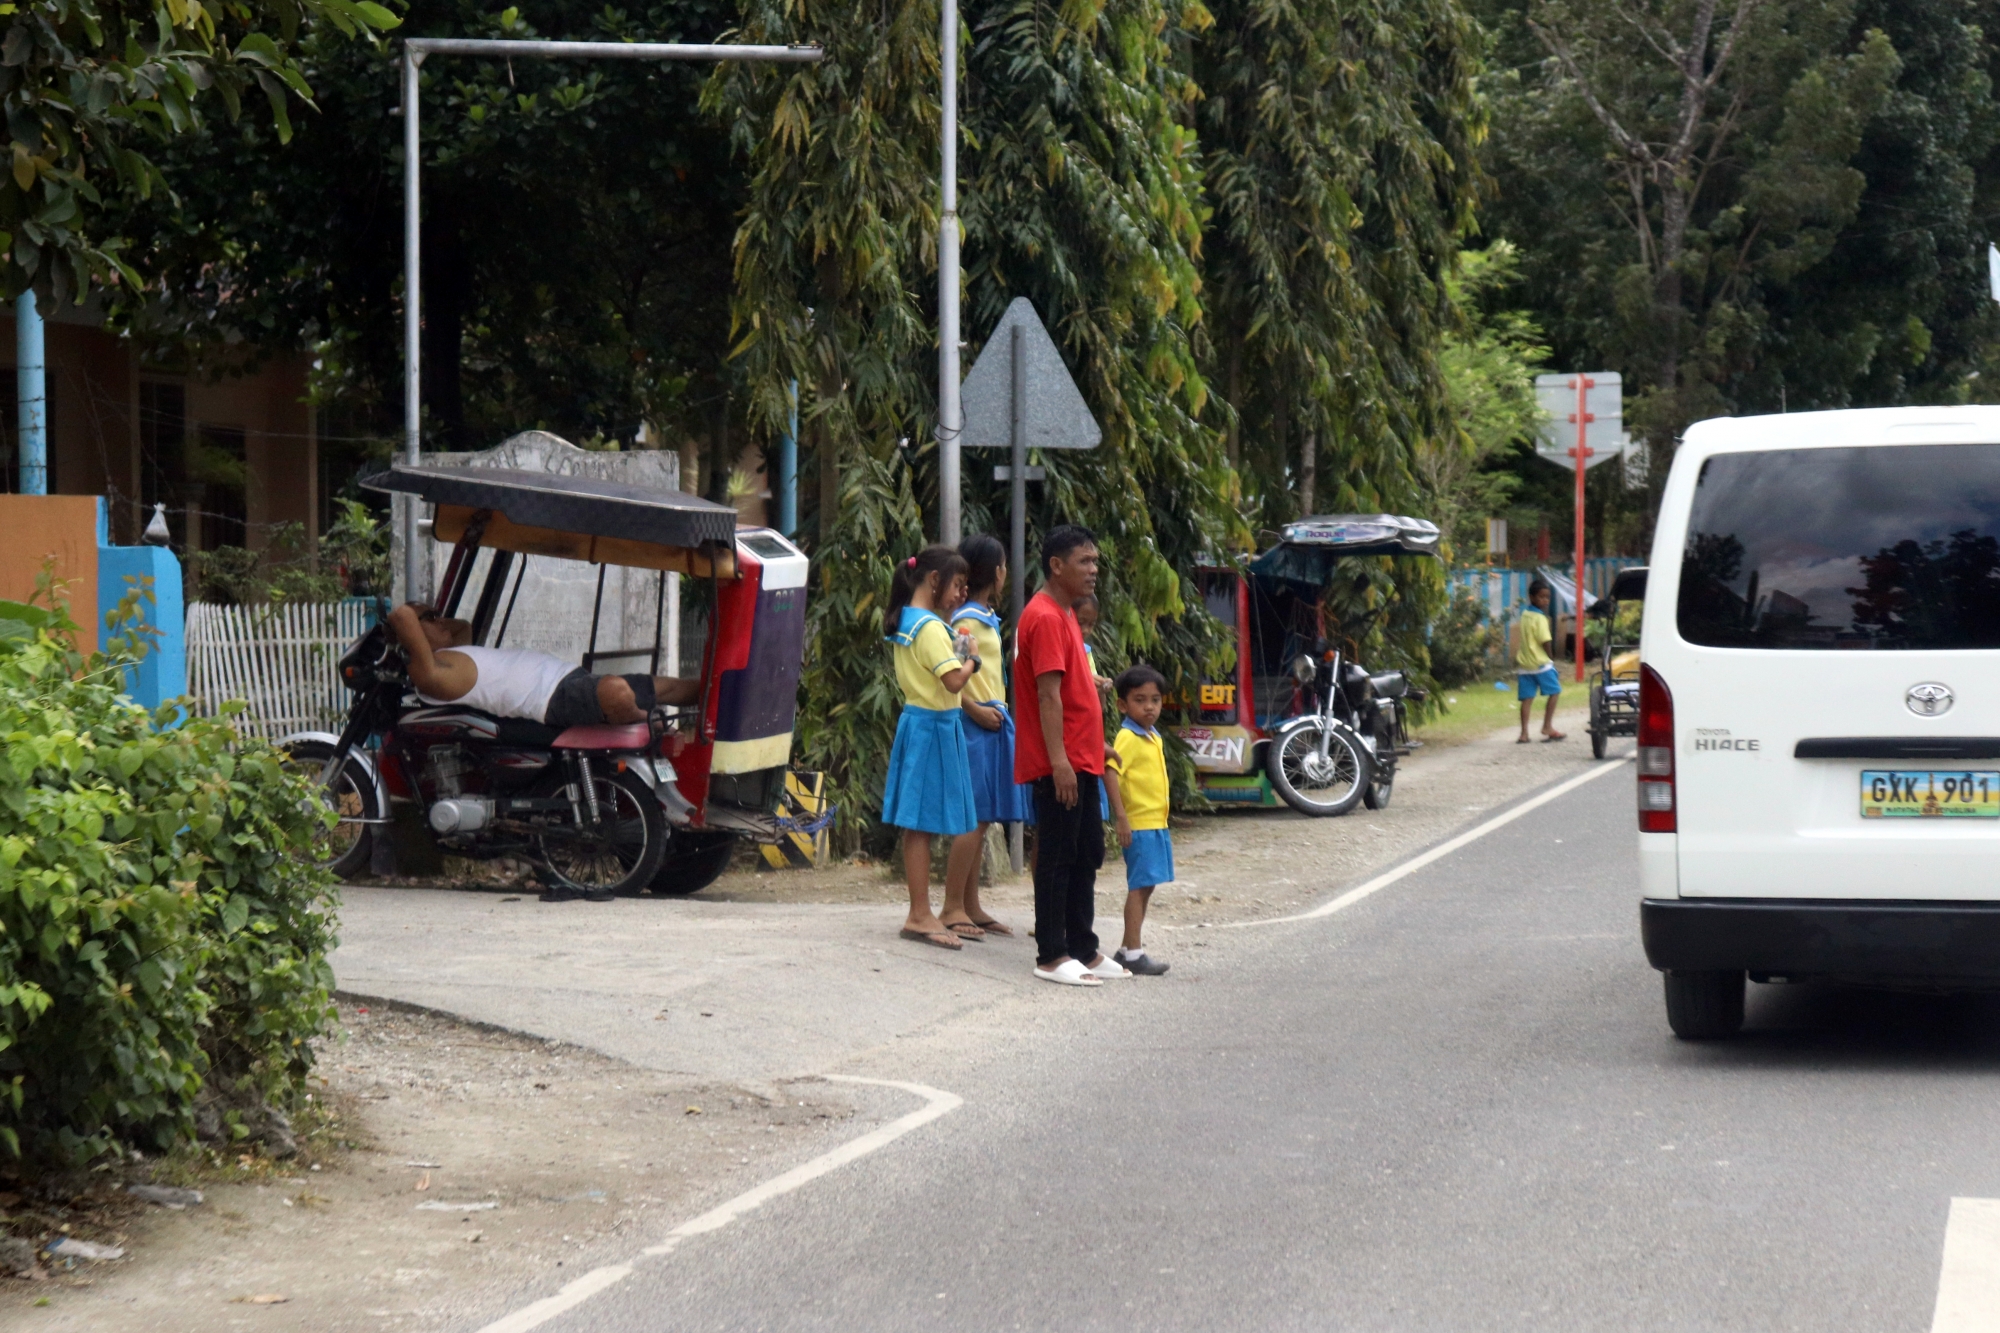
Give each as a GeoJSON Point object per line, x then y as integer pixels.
{"type": "Point", "coordinates": [929, 790]}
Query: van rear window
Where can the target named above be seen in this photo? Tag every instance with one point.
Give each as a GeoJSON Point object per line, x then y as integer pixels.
{"type": "Point", "coordinates": [1885, 547]}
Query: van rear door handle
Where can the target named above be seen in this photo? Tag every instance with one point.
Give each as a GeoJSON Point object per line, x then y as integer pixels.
{"type": "Point", "coordinates": [1898, 747]}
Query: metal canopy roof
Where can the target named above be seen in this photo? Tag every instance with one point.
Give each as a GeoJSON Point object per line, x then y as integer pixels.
{"type": "Point", "coordinates": [569, 504]}
{"type": "Point", "coordinates": [1312, 545]}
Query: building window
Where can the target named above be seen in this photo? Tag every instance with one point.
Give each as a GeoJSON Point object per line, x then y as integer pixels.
{"type": "Point", "coordinates": [162, 456]}
{"type": "Point", "coordinates": [217, 473]}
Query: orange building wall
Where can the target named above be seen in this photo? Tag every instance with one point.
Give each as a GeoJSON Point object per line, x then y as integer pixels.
{"type": "Point", "coordinates": [38, 528]}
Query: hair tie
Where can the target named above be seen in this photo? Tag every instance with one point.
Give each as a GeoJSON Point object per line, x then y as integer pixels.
{"type": "Point", "coordinates": [911, 562]}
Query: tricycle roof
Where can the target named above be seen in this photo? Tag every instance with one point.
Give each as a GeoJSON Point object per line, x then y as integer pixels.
{"type": "Point", "coordinates": [1310, 546]}
{"type": "Point", "coordinates": [538, 506]}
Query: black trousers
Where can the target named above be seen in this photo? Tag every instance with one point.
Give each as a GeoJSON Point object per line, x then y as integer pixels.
{"type": "Point", "coordinates": [1069, 847]}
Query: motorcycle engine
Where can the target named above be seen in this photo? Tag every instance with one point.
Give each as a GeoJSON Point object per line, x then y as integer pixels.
{"type": "Point", "coordinates": [447, 764]}
{"type": "Point", "coordinates": [464, 814]}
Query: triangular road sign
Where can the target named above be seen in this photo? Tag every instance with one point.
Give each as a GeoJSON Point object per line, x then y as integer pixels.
{"type": "Point", "coordinates": [1056, 415]}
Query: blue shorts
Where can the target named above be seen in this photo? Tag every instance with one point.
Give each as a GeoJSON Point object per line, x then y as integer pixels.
{"type": "Point", "coordinates": [1150, 859]}
{"type": "Point", "coordinates": [1545, 681]}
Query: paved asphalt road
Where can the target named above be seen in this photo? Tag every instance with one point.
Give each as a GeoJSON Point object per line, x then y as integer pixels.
{"type": "Point", "coordinates": [1454, 1106]}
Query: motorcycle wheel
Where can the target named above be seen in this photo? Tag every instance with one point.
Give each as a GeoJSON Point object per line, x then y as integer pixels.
{"type": "Point", "coordinates": [626, 854]}
{"type": "Point", "coordinates": [695, 859]}
{"type": "Point", "coordinates": [1382, 771]}
{"type": "Point", "coordinates": [351, 796]}
{"type": "Point", "coordinates": [1306, 785]}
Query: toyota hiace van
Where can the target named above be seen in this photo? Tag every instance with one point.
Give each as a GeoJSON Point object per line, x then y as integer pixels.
{"type": "Point", "coordinates": [1819, 731]}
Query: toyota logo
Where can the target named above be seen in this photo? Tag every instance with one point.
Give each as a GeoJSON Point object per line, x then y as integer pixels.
{"type": "Point", "coordinates": [1929, 699]}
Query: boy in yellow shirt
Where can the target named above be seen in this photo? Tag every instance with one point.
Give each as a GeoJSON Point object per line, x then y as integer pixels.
{"type": "Point", "coordinates": [1136, 782]}
{"type": "Point", "coordinates": [1533, 671]}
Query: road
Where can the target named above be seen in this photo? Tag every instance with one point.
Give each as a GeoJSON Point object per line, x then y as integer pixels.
{"type": "Point", "coordinates": [1454, 1105]}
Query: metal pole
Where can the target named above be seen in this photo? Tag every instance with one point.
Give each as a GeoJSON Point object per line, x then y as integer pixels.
{"type": "Point", "coordinates": [1017, 439]}
{"type": "Point", "coordinates": [414, 51]}
{"type": "Point", "coordinates": [1017, 558]}
{"type": "Point", "coordinates": [413, 444]}
{"type": "Point", "coordinates": [1583, 386]}
{"type": "Point", "coordinates": [950, 419]}
{"type": "Point", "coordinates": [31, 387]}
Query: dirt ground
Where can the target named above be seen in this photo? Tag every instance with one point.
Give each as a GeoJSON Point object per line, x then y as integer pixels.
{"type": "Point", "coordinates": [546, 1157]}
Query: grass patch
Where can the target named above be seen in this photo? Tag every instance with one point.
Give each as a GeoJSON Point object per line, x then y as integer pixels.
{"type": "Point", "coordinates": [1478, 710]}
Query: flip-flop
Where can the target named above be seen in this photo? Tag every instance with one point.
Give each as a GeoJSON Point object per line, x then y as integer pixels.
{"type": "Point", "coordinates": [1559, 736]}
{"type": "Point", "coordinates": [1069, 972]}
{"type": "Point", "coordinates": [935, 938]}
{"type": "Point", "coordinates": [1520, 740]}
{"type": "Point", "coordinates": [965, 930]}
{"type": "Point", "coordinates": [992, 927]}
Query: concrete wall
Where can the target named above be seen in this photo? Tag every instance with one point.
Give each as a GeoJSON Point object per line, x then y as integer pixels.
{"type": "Point", "coordinates": [56, 530]}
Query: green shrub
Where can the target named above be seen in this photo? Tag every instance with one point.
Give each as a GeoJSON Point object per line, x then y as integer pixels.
{"type": "Point", "coordinates": [1461, 641]}
{"type": "Point", "coordinates": [164, 923]}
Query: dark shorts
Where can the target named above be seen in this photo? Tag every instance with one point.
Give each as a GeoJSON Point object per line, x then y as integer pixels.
{"type": "Point", "coordinates": [574, 704]}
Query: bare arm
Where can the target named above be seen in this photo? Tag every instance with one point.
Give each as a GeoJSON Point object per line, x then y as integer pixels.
{"type": "Point", "coordinates": [1116, 796]}
{"type": "Point", "coordinates": [1048, 691]}
{"type": "Point", "coordinates": [447, 676]}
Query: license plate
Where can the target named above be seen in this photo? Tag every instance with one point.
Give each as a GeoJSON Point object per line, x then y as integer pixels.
{"type": "Point", "coordinates": [1925, 793]}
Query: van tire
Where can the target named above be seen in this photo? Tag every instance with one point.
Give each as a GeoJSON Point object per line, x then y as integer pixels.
{"type": "Point", "coordinates": [1704, 1005]}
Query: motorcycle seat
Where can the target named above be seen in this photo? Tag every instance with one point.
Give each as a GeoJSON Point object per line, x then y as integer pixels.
{"type": "Point", "coordinates": [525, 731]}
{"type": "Point", "coordinates": [1390, 684]}
{"type": "Point", "coordinates": [628, 736]}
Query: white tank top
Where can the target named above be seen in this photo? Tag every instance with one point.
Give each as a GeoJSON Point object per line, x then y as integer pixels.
{"type": "Point", "coordinates": [512, 682]}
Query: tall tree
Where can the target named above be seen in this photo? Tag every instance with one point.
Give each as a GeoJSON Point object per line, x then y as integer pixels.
{"type": "Point", "coordinates": [88, 88]}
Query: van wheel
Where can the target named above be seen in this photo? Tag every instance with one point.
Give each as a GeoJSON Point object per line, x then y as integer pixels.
{"type": "Point", "coordinates": [1704, 1005]}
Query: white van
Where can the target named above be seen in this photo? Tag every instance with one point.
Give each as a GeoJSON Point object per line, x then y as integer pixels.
{"type": "Point", "coordinates": [1819, 734]}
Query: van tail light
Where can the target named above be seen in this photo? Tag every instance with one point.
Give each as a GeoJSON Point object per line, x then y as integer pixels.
{"type": "Point", "coordinates": [1656, 754]}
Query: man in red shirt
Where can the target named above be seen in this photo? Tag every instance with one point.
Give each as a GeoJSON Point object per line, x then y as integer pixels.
{"type": "Point", "coordinates": [1059, 747]}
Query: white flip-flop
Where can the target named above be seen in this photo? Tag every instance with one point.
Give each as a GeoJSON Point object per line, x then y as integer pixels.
{"type": "Point", "coordinates": [1109, 969]}
{"type": "Point", "coordinates": [1070, 972]}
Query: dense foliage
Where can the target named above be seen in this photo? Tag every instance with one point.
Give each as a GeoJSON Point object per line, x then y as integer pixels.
{"type": "Point", "coordinates": [163, 922]}
{"type": "Point", "coordinates": [1760, 206]}
{"type": "Point", "coordinates": [89, 87]}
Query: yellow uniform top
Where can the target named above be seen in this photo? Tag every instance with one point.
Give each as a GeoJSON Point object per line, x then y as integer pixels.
{"type": "Point", "coordinates": [923, 653]}
{"type": "Point", "coordinates": [988, 685]}
{"type": "Point", "coordinates": [1535, 637]}
{"type": "Point", "coordinates": [1142, 775]}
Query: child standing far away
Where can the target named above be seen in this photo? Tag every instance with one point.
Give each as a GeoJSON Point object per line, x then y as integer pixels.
{"type": "Point", "coordinates": [1139, 797]}
{"type": "Point", "coordinates": [1060, 749]}
{"type": "Point", "coordinates": [1533, 670]}
{"type": "Point", "coordinates": [930, 783]}
{"type": "Point", "coordinates": [989, 738]}
{"type": "Point", "coordinates": [1087, 611]}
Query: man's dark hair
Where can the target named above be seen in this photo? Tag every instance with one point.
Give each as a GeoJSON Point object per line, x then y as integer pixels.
{"type": "Point", "coordinates": [1063, 539]}
{"type": "Point", "coordinates": [1132, 677]}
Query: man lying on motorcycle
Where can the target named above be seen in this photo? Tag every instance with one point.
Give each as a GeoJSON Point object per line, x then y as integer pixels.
{"type": "Point", "coordinates": [520, 682]}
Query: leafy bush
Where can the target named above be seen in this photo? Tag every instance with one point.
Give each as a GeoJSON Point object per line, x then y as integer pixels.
{"type": "Point", "coordinates": [164, 923]}
{"type": "Point", "coordinates": [1461, 641]}
{"type": "Point", "coordinates": [351, 559]}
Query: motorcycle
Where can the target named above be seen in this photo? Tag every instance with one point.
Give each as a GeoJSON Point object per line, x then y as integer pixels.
{"type": "Point", "coordinates": [657, 804]}
{"type": "Point", "coordinates": [1343, 746]}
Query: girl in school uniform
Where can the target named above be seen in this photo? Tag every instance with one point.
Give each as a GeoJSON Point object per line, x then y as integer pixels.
{"type": "Point", "coordinates": [989, 738]}
{"type": "Point", "coordinates": [930, 784]}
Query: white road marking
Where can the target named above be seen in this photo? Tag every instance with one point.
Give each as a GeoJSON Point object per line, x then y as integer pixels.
{"type": "Point", "coordinates": [1437, 853]}
{"type": "Point", "coordinates": [936, 1103]}
{"type": "Point", "coordinates": [1968, 1299]}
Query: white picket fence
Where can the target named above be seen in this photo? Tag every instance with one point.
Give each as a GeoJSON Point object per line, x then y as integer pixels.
{"type": "Point", "coordinates": [282, 660]}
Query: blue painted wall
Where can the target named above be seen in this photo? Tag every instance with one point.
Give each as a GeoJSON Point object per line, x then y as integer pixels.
{"type": "Point", "coordinates": [163, 673]}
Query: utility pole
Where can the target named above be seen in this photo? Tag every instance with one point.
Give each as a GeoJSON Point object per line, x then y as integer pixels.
{"type": "Point", "coordinates": [1581, 453]}
{"type": "Point", "coordinates": [950, 419]}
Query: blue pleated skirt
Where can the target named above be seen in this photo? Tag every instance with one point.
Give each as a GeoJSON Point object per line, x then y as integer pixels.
{"type": "Point", "coordinates": [996, 797]}
{"type": "Point", "coordinates": [930, 779]}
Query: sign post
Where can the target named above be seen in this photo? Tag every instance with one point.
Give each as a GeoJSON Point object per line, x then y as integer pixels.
{"type": "Point", "coordinates": [1593, 403]}
{"type": "Point", "coordinates": [1019, 396]}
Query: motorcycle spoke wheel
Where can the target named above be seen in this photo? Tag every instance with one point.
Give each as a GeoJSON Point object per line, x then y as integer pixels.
{"type": "Point", "coordinates": [1314, 784]}
{"type": "Point", "coordinates": [344, 848]}
{"type": "Point", "coordinates": [625, 852]}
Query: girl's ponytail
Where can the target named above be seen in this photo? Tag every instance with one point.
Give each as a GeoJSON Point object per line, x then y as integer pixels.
{"type": "Point", "coordinates": [913, 573]}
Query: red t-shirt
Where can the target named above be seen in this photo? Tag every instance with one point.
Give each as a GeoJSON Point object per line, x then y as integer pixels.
{"type": "Point", "coordinates": [1049, 639]}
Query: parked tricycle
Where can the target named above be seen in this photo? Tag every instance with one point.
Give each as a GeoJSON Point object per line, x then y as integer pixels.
{"type": "Point", "coordinates": [596, 809]}
{"type": "Point", "coordinates": [1302, 722]}
{"type": "Point", "coordinates": [1614, 694]}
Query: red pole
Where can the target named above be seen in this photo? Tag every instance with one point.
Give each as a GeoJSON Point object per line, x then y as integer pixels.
{"type": "Point", "coordinates": [1583, 418]}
